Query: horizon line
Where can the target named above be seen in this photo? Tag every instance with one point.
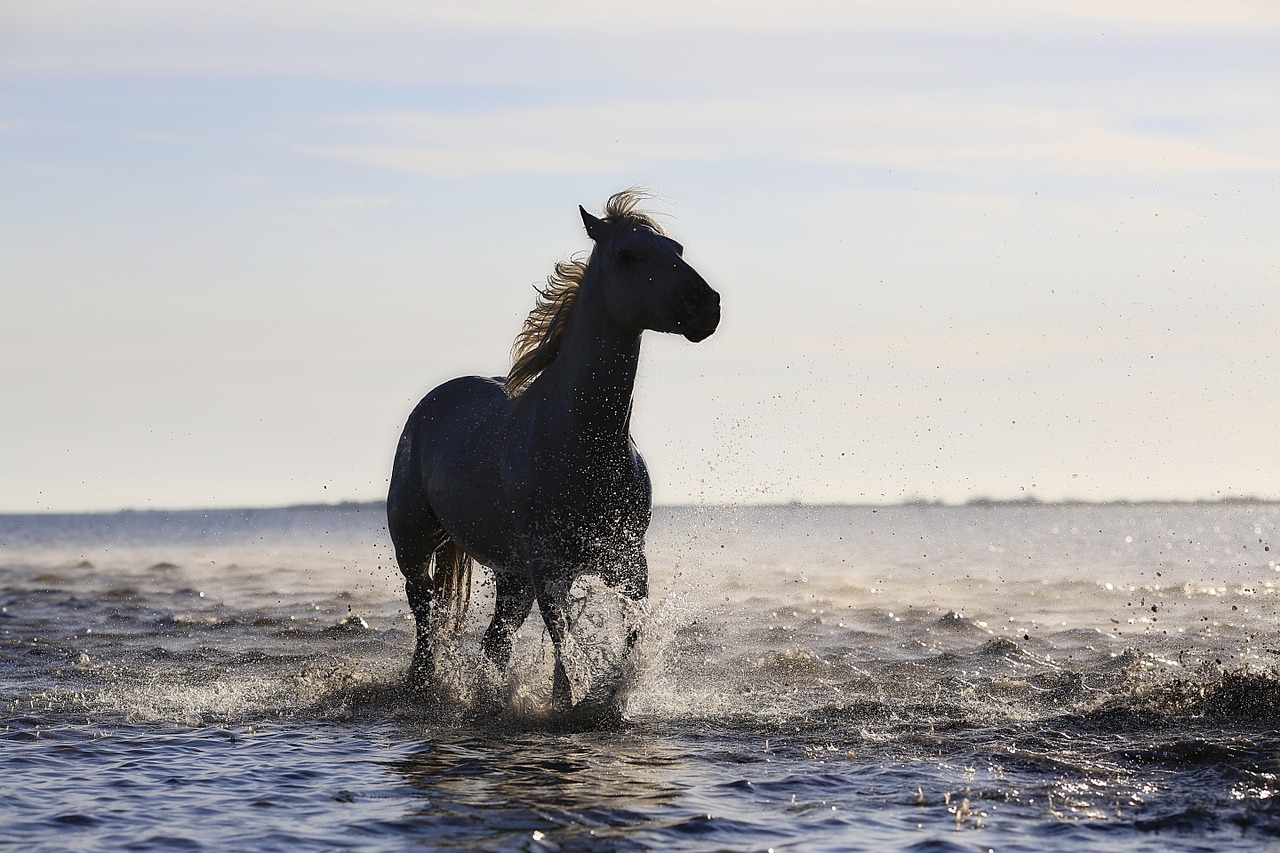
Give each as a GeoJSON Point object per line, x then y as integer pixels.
{"type": "Point", "coordinates": [977, 502]}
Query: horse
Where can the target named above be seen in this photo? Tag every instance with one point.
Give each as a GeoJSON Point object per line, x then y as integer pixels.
{"type": "Point", "coordinates": [535, 475]}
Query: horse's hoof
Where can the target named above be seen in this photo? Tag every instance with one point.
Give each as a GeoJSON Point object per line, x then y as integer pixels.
{"type": "Point", "coordinates": [421, 679]}
{"type": "Point", "coordinates": [597, 709]}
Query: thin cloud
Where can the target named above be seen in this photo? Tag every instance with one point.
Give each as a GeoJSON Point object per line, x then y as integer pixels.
{"type": "Point", "coordinates": [660, 15]}
{"type": "Point", "coordinates": [460, 162]}
{"type": "Point", "coordinates": [34, 125]}
{"type": "Point", "coordinates": [352, 203]}
{"type": "Point", "coordinates": [383, 38]}
{"type": "Point", "coordinates": [922, 135]}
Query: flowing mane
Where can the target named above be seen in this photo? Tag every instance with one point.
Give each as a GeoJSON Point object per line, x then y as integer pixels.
{"type": "Point", "coordinates": [539, 340]}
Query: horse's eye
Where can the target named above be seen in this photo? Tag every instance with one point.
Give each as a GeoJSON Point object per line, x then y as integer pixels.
{"type": "Point", "coordinates": [627, 256]}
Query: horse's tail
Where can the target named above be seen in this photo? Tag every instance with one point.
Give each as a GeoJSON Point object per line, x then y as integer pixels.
{"type": "Point", "coordinates": [452, 581]}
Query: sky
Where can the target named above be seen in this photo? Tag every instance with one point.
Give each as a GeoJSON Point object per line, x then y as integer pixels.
{"type": "Point", "coordinates": [964, 249]}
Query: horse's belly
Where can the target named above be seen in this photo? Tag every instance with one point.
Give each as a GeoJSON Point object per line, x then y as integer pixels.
{"type": "Point", "coordinates": [477, 521]}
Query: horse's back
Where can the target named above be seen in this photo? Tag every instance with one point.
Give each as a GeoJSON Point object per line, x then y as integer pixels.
{"type": "Point", "coordinates": [465, 396]}
{"type": "Point", "coordinates": [455, 422]}
{"type": "Point", "coordinates": [448, 464]}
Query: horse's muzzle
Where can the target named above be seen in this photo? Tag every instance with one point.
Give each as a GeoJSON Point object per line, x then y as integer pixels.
{"type": "Point", "coordinates": [702, 314]}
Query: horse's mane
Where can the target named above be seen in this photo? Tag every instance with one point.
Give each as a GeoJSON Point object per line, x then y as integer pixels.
{"type": "Point", "coordinates": [539, 340]}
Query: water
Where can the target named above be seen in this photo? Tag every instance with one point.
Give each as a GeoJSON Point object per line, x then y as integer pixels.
{"type": "Point", "coordinates": [917, 678]}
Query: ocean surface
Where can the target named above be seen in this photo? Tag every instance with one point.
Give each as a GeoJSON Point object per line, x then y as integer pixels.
{"type": "Point", "coordinates": [924, 678]}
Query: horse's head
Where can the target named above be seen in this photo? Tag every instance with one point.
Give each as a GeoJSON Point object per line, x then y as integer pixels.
{"type": "Point", "coordinates": [646, 282]}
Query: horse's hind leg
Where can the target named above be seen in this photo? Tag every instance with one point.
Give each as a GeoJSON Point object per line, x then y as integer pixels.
{"type": "Point", "coordinates": [415, 563]}
{"type": "Point", "coordinates": [416, 534]}
{"type": "Point", "coordinates": [513, 600]}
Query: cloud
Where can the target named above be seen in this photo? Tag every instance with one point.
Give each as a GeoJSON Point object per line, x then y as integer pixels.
{"type": "Point", "coordinates": [921, 134]}
{"type": "Point", "coordinates": [352, 203]}
{"type": "Point", "coordinates": [658, 15]}
{"type": "Point", "coordinates": [460, 162]}
{"type": "Point", "coordinates": [389, 38]}
{"type": "Point", "coordinates": [32, 125]}
{"type": "Point", "coordinates": [1073, 146]}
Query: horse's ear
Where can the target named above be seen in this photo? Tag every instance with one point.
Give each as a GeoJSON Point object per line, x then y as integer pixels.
{"type": "Point", "coordinates": [595, 227]}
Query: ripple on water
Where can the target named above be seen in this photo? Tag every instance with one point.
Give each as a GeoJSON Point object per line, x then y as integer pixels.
{"type": "Point", "coordinates": [868, 707]}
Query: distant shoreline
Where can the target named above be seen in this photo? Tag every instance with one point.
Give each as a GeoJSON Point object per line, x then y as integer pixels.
{"type": "Point", "coordinates": [972, 503]}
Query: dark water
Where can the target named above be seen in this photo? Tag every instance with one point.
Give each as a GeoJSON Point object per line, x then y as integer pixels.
{"type": "Point", "coordinates": [914, 678]}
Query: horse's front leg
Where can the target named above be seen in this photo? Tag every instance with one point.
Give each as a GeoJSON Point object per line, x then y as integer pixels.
{"type": "Point", "coordinates": [514, 596]}
{"type": "Point", "coordinates": [553, 597]}
{"type": "Point", "coordinates": [630, 577]}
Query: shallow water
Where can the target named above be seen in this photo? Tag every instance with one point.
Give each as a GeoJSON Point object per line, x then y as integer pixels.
{"type": "Point", "coordinates": [921, 678]}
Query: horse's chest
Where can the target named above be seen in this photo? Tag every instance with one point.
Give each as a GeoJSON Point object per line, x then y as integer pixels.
{"type": "Point", "coordinates": [587, 544]}
{"type": "Point", "coordinates": [590, 525]}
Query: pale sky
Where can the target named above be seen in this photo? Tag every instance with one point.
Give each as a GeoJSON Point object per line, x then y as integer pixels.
{"type": "Point", "coordinates": [979, 248]}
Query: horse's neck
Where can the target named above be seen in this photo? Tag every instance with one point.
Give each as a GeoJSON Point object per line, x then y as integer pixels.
{"type": "Point", "coordinates": [594, 373]}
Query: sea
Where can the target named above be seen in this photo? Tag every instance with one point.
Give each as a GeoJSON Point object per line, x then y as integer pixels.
{"type": "Point", "coordinates": [988, 677]}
